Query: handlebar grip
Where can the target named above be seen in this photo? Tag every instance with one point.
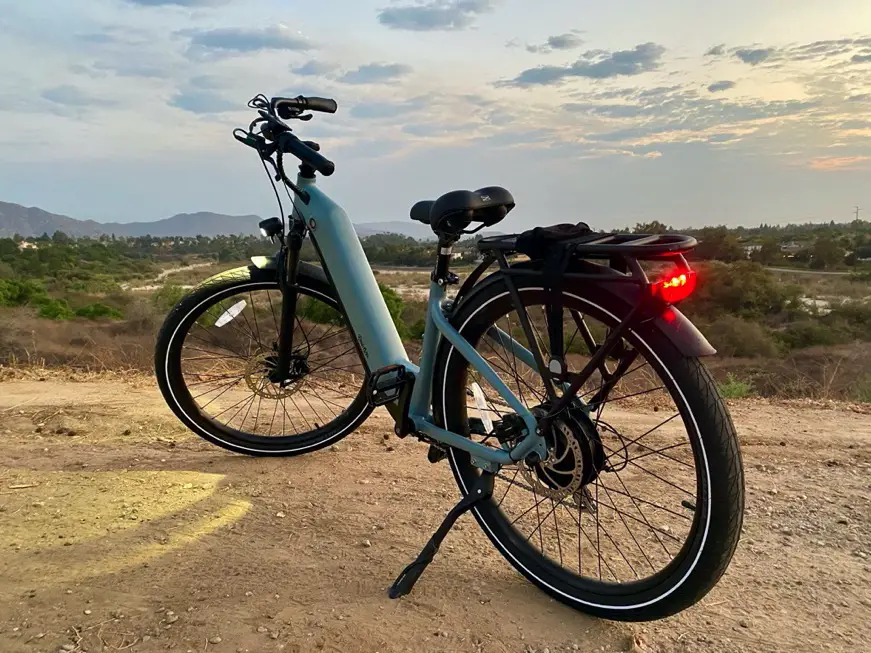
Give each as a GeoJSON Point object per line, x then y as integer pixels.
{"type": "Point", "coordinates": [287, 107]}
{"type": "Point", "coordinates": [290, 144]}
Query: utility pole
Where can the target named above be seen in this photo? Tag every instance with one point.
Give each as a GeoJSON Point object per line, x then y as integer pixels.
{"type": "Point", "coordinates": [856, 210]}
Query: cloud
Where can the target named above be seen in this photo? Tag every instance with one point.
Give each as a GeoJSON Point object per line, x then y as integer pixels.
{"type": "Point", "coordinates": [724, 85]}
{"type": "Point", "coordinates": [568, 41]}
{"type": "Point", "coordinates": [840, 162]}
{"type": "Point", "coordinates": [716, 51]}
{"type": "Point", "coordinates": [861, 97]}
{"type": "Point", "coordinates": [129, 67]}
{"type": "Point", "coordinates": [72, 96]}
{"type": "Point", "coordinates": [376, 73]}
{"type": "Point", "coordinates": [595, 64]}
{"type": "Point", "coordinates": [314, 68]}
{"type": "Point", "coordinates": [754, 56]}
{"type": "Point", "coordinates": [377, 110]}
{"type": "Point", "coordinates": [178, 3]}
{"type": "Point", "coordinates": [861, 58]}
{"type": "Point", "coordinates": [435, 15]}
{"type": "Point", "coordinates": [607, 110]}
{"type": "Point", "coordinates": [202, 101]}
{"type": "Point", "coordinates": [228, 40]}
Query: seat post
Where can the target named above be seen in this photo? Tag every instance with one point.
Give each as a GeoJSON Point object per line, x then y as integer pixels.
{"type": "Point", "coordinates": [442, 274]}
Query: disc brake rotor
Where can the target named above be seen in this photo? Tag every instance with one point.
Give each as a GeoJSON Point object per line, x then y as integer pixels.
{"type": "Point", "coordinates": [562, 474]}
{"type": "Point", "coordinates": [257, 379]}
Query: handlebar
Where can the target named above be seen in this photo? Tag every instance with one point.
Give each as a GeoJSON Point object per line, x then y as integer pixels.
{"type": "Point", "coordinates": [290, 107]}
{"type": "Point", "coordinates": [290, 144]}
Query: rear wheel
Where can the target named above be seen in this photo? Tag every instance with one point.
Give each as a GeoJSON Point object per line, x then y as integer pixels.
{"type": "Point", "coordinates": [219, 345]}
{"type": "Point", "coordinates": [637, 511]}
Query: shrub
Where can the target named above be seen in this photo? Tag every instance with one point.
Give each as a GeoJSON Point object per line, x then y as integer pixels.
{"type": "Point", "coordinates": [734, 336]}
{"type": "Point", "coordinates": [735, 388]}
{"type": "Point", "coordinates": [745, 289]}
{"type": "Point", "coordinates": [21, 293]}
{"type": "Point", "coordinates": [318, 312]}
{"type": "Point", "coordinates": [812, 333]}
{"type": "Point", "coordinates": [394, 307]}
{"type": "Point", "coordinates": [55, 309]}
{"type": "Point", "coordinates": [854, 316]}
{"type": "Point", "coordinates": [167, 297]}
{"type": "Point", "coordinates": [863, 390]}
{"type": "Point", "coordinates": [98, 311]}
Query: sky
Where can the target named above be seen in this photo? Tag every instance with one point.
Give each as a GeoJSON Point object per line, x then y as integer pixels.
{"type": "Point", "coordinates": [608, 112]}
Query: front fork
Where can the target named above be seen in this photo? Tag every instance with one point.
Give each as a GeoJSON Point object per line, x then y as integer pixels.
{"type": "Point", "coordinates": [288, 271]}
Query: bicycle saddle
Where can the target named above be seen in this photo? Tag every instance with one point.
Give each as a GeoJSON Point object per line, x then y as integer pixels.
{"type": "Point", "coordinates": [453, 212]}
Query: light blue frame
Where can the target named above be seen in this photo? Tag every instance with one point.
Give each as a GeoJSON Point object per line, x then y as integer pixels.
{"type": "Point", "coordinates": [345, 262]}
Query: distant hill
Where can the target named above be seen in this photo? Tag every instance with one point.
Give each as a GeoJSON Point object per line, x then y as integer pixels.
{"type": "Point", "coordinates": [32, 221]}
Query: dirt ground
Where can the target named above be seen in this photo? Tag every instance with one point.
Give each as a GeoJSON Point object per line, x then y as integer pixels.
{"type": "Point", "coordinates": [120, 530]}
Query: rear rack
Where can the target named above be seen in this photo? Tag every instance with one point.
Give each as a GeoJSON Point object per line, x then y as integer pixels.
{"type": "Point", "coordinates": [639, 246]}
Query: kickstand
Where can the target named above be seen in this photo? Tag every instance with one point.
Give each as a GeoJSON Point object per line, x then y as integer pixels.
{"type": "Point", "coordinates": [481, 491]}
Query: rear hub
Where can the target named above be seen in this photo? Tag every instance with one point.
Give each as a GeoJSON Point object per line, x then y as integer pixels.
{"type": "Point", "coordinates": [575, 455]}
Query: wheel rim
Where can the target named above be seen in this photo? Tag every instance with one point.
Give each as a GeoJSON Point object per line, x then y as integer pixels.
{"type": "Point", "coordinates": [543, 526]}
{"type": "Point", "coordinates": [229, 348]}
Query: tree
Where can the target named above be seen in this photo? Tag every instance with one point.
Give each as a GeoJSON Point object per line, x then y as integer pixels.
{"type": "Point", "coordinates": [60, 238]}
{"type": "Point", "coordinates": [716, 243]}
{"type": "Point", "coordinates": [826, 253]}
{"type": "Point", "coordinates": [655, 227]}
{"type": "Point", "coordinates": [769, 254]}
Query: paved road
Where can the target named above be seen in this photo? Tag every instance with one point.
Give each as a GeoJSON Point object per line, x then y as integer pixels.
{"type": "Point", "coordinates": [803, 271]}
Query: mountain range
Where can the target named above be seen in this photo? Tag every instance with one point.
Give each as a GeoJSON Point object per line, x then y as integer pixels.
{"type": "Point", "coordinates": [31, 222]}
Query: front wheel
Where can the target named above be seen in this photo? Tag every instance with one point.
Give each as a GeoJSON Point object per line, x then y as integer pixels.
{"type": "Point", "coordinates": [219, 345]}
{"type": "Point", "coordinates": [637, 510]}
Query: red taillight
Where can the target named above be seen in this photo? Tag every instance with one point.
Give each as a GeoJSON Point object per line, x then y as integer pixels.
{"type": "Point", "coordinates": [675, 286]}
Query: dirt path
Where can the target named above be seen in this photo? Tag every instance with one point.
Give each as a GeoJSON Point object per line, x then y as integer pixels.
{"type": "Point", "coordinates": [118, 526]}
{"type": "Point", "coordinates": [156, 282]}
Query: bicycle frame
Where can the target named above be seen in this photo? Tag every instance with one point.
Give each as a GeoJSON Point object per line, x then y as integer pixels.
{"type": "Point", "coordinates": [349, 271]}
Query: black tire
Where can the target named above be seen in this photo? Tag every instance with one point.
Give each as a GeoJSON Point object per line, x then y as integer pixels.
{"type": "Point", "coordinates": [168, 367]}
{"type": "Point", "coordinates": [715, 526]}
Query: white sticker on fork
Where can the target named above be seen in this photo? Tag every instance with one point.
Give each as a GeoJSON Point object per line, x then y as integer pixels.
{"type": "Point", "coordinates": [231, 313]}
{"type": "Point", "coordinates": [481, 405]}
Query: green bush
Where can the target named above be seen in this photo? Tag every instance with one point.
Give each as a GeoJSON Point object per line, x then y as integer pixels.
{"type": "Point", "coordinates": [98, 311]}
{"type": "Point", "coordinates": [21, 292]}
{"type": "Point", "coordinates": [744, 289]}
{"type": "Point", "coordinates": [813, 333]}
{"type": "Point", "coordinates": [734, 336]}
{"type": "Point", "coordinates": [55, 309]}
{"type": "Point", "coordinates": [318, 312]}
{"type": "Point", "coordinates": [735, 388]}
{"type": "Point", "coordinates": [854, 316]}
{"type": "Point", "coordinates": [168, 296]}
{"type": "Point", "coordinates": [863, 390]}
{"type": "Point", "coordinates": [394, 307]}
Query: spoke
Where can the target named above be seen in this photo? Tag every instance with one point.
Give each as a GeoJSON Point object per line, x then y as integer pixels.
{"type": "Point", "coordinates": [614, 544]}
{"type": "Point", "coordinates": [214, 379]}
{"type": "Point", "coordinates": [302, 414]}
{"type": "Point", "coordinates": [256, 324]}
{"type": "Point", "coordinates": [556, 524]}
{"type": "Point", "coordinates": [251, 398]}
{"type": "Point", "coordinates": [634, 394]}
{"type": "Point", "coordinates": [226, 386]}
{"type": "Point", "coordinates": [637, 507]}
{"type": "Point", "coordinates": [272, 310]}
{"type": "Point", "coordinates": [631, 534]}
{"type": "Point", "coordinates": [540, 524]}
{"type": "Point", "coordinates": [210, 341]}
{"type": "Point", "coordinates": [510, 484]}
{"type": "Point", "coordinates": [646, 502]}
{"type": "Point", "coordinates": [654, 529]}
{"type": "Point", "coordinates": [646, 433]}
{"type": "Point", "coordinates": [659, 451]}
{"type": "Point", "coordinates": [220, 395]}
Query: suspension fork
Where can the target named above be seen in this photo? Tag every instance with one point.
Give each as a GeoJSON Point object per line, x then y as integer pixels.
{"type": "Point", "coordinates": [288, 272]}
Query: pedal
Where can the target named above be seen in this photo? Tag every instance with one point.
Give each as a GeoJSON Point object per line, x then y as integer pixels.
{"type": "Point", "coordinates": [393, 384]}
{"type": "Point", "coordinates": [481, 491]}
{"type": "Point", "coordinates": [436, 454]}
{"type": "Point", "coordinates": [385, 385]}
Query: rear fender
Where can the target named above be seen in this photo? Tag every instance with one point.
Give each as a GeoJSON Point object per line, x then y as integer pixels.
{"type": "Point", "coordinates": [673, 324]}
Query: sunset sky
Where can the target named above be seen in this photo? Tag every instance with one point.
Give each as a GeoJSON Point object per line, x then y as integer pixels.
{"type": "Point", "coordinates": [609, 112]}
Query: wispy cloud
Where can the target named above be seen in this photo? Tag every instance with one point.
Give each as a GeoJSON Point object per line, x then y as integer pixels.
{"type": "Point", "coordinates": [202, 101]}
{"type": "Point", "coordinates": [314, 68]}
{"type": "Point", "coordinates": [754, 56]}
{"type": "Point", "coordinates": [718, 87]}
{"type": "Point", "coordinates": [568, 41]}
{"type": "Point", "coordinates": [73, 96]}
{"type": "Point", "coordinates": [840, 162]}
{"type": "Point", "coordinates": [595, 64]}
{"type": "Point", "coordinates": [435, 15]}
{"type": "Point", "coordinates": [241, 40]}
{"type": "Point", "coordinates": [376, 73]}
{"type": "Point", "coordinates": [179, 3]}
